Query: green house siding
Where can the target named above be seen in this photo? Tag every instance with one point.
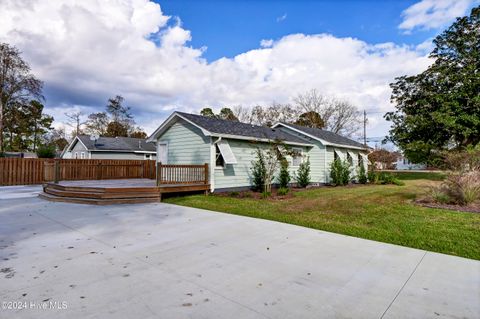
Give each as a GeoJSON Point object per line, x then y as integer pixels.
{"type": "Point", "coordinates": [186, 144]}
{"type": "Point", "coordinates": [239, 175]}
{"type": "Point", "coordinates": [316, 154]}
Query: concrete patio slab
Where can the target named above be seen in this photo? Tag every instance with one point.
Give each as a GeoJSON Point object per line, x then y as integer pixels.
{"type": "Point", "coordinates": [166, 261]}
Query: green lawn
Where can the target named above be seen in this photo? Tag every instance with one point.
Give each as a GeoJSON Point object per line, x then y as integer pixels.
{"type": "Point", "coordinates": [378, 212]}
{"type": "Point", "coordinates": [408, 175]}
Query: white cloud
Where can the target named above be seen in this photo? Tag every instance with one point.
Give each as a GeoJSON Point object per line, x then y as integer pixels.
{"type": "Point", "coordinates": [432, 14]}
{"type": "Point", "coordinates": [88, 51]}
{"type": "Point", "coordinates": [281, 18]}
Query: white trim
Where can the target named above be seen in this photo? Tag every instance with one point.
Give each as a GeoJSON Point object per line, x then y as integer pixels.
{"type": "Point", "coordinates": [319, 139]}
{"type": "Point", "coordinates": [82, 155]}
{"type": "Point", "coordinates": [340, 154]}
{"type": "Point", "coordinates": [212, 164]}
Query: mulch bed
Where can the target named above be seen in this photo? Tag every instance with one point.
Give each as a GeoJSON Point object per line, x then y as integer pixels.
{"type": "Point", "coordinates": [475, 208]}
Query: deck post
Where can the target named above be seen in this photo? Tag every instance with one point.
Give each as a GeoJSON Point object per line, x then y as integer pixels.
{"type": "Point", "coordinates": [206, 177]}
{"type": "Point", "coordinates": [56, 166]}
{"type": "Point", "coordinates": [159, 173]}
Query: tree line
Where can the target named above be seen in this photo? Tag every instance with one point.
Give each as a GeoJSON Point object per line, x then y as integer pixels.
{"type": "Point", "coordinates": [24, 126]}
{"type": "Point", "coordinates": [310, 109]}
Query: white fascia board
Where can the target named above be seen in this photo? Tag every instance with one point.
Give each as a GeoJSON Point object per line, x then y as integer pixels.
{"type": "Point", "coordinates": [73, 142]}
{"type": "Point", "coordinates": [166, 123]}
{"type": "Point", "coordinates": [124, 151]}
{"type": "Point", "coordinates": [319, 139]}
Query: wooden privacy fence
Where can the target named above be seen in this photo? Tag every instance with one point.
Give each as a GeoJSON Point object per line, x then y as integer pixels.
{"type": "Point", "coordinates": [182, 174]}
{"type": "Point", "coordinates": [24, 171]}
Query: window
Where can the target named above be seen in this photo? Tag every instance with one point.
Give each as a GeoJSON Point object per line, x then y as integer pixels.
{"type": "Point", "coordinates": [82, 155]}
{"type": "Point", "coordinates": [147, 157]}
{"type": "Point", "coordinates": [297, 156]}
{"type": "Point", "coordinates": [76, 154]}
{"type": "Point", "coordinates": [219, 162]}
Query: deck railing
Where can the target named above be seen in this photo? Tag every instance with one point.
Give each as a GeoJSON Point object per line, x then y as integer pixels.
{"type": "Point", "coordinates": [182, 174]}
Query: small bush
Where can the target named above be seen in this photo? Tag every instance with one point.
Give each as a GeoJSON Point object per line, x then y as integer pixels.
{"type": "Point", "coordinates": [46, 151]}
{"type": "Point", "coordinates": [234, 194]}
{"type": "Point", "coordinates": [284, 176]}
{"type": "Point", "coordinates": [373, 177]}
{"type": "Point", "coordinates": [259, 171]}
{"type": "Point", "coordinates": [266, 194]}
{"type": "Point", "coordinates": [303, 173]}
{"type": "Point", "coordinates": [340, 172]}
{"type": "Point", "coordinates": [438, 195]}
{"type": "Point", "coordinates": [362, 176]}
{"type": "Point", "coordinates": [282, 191]}
{"type": "Point", "coordinates": [463, 188]}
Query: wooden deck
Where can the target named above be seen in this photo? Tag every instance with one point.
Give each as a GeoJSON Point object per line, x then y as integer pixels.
{"type": "Point", "coordinates": [105, 192]}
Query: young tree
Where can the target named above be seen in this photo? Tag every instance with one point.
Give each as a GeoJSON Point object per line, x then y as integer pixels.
{"type": "Point", "coordinates": [439, 109]}
{"type": "Point", "coordinates": [17, 84]}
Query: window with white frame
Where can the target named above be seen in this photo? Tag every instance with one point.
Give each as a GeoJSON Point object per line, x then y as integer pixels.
{"type": "Point", "coordinates": [147, 156]}
{"type": "Point", "coordinates": [82, 155]}
{"type": "Point", "coordinates": [296, 156]}
{"type": "Point", "coordinates": [76, 154]}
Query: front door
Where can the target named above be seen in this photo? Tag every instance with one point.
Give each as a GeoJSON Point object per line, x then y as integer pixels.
{"type": "Point", "coordinates": [162, 153]}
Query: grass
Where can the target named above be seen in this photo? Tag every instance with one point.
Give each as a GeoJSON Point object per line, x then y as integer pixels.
{"type": "Point", "coordinates": [379, 212]}
{"type": "Point", "coordinates": [407, 175]}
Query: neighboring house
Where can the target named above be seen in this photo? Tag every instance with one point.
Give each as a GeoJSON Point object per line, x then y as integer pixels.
{"type": "Point", "coordinates": [82, 147]}
{"type": "Point", "coordinates": [404, 164]}
{"type": "Point", "coordinates": [229, 147]}
{"type": "Point", "coordinates": [21, 154]}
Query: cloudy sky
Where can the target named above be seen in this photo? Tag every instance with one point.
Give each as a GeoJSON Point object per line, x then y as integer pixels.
{"type": "Point", "coordinates": [184, 55]}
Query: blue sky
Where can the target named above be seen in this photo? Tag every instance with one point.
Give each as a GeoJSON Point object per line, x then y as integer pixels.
{"type": "Point", "coordinates": [228, 28]}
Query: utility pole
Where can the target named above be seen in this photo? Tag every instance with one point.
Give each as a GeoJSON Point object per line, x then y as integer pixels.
{"type": "Point", "coordinates": [365, 127]}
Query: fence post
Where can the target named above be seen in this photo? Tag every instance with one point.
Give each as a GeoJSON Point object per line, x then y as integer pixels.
{"type": "Point", "coordinates": [56, 166]}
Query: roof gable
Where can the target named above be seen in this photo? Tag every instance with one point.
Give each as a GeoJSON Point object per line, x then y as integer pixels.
{"type": "Point", "coordinates": [124, 144]}
{"type": "Point", "coordinates": [324, 136]}
{"type": "Point", "coordinates": [231, 129]}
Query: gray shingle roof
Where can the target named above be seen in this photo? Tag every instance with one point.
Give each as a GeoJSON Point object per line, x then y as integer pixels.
{"type": "Point", "coordinates": [128, 144]}
{"type": "Point", "coordinates": [219, 126]}
{"type": "Point", "coordinates": [327, 136]}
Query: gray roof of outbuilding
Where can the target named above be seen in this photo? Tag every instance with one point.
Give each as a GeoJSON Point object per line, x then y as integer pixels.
{"type": "Point", "coordinates": [126, 144]}
{"type": "Point", "coordinates": [327, 136]}
{"type": "Point", "coordinates": [226, 127]}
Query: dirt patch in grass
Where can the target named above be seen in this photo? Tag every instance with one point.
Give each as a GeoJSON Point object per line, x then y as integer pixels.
{"type": "Point", "coordinates": [473, 208]}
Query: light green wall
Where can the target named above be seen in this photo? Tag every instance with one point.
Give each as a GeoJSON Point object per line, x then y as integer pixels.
{"type": "Point", "coordinates": [239, 175]}
{"type": "Point", "coordinates": [186, 144]}
{"type": "Point", "coordinates": [316, 154]}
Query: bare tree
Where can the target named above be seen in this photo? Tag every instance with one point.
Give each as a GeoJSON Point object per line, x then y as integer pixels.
{"type": "Point", "coordinates": [75, 121]}
{"type": "Point", "coordinates": [339, 116]}
{"type": "Point", "coordinates": [276, 112]}
{"type": "Point", "coordinates": [242, 113]}
{"type": "Point", "coordinates": [17, 84]}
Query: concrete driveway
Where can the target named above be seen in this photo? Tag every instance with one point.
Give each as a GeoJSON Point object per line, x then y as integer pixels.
{"type": "Point", "coordinates": [163, 261]}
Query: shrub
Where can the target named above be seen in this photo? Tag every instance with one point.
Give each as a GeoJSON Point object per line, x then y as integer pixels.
{"type": "Point", "coordinates": [373, 177]}
{"type": "Point", "coordinates": [303, 173]}
{"type": "Point", "coordinates": [234, 194]}
{"type": "Point", "coordinates": [266, 194]}
{"type": "Point", "coordinates": [259, 171]}
{"type": "Point", "coordinates": [46, 151]}
{"type": "Point", "coordinates": [284, 176]}
{"type": "Point", "coordinates": [362, 176]}
{"type": "Point", "coordinates": [340, 172]}
{"type": "Point", "coordinates": [282, 191]}
{"type": "Point", "coordinates": [437, 194]}
{"type": "Point", "coordinates": [463, 188]}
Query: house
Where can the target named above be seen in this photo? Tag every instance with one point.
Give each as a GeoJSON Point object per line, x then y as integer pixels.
{"type": "Point", "coordinates": [403, 163]}
{"type": "Point", "coordinates": [85, 147]}
{"type": "Point", "coordinates": [229, 148]}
